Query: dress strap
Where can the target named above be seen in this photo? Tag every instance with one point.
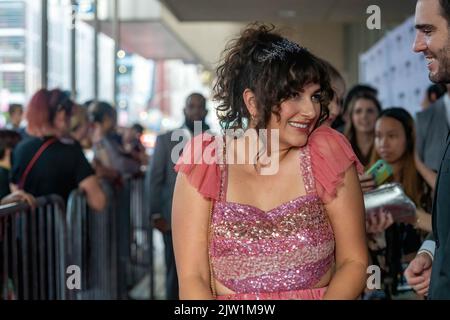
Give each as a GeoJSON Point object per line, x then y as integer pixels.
{"type": "Point", "coordinates": [223, 173]}
{"type": "Point", "coordinates": [306, 169]}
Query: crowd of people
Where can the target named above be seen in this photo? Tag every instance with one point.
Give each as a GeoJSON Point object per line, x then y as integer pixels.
{"type": "Point", "coordinates": [49, 155]}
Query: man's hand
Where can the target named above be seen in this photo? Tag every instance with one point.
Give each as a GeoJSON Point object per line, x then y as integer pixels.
{"type": "Point", "coordinates": [418, 273]}
{"type": "Point", "coordinates": [367, 182]}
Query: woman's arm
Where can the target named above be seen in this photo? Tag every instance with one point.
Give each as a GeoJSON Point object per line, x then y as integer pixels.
{"type": "Point", "coordinates": [346, 213]}
{"type": "Point", "coordinates": [95, 196]}
{"type": "Point", "coordinates": [190, 224]}
{"type": "Point", "coordinates": [19, 195]}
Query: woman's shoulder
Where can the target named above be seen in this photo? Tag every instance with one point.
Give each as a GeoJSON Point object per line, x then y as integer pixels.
{"type": "Point", "coordinates": [200, 162]}
{"type": "Point", "coordinates": [331, 157]}
{"type": "Point", "coordinates": [327, 132]}
{"type": "Point", "coordinates": [27, 145]}
{"type": "Point", "coordinates": [329, 142]}
{"type": "Point", "coordinates": [67, 147]}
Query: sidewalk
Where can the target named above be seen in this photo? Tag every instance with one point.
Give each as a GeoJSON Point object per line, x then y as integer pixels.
{"type": "Point", "coordinates": [142, 290]}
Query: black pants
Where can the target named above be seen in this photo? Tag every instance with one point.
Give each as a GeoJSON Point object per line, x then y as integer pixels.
{"type": "Point", "coordinates": [171, 269]}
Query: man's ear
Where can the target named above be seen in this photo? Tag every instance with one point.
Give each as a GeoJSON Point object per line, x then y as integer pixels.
{"type": "Point", "coordinates": [250, 101]}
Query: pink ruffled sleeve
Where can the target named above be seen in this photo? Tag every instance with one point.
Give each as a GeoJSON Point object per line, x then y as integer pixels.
{"type": "Point", "coordinates": [331, 156]}
{"type": "Point", "coordinates": [199, 163]}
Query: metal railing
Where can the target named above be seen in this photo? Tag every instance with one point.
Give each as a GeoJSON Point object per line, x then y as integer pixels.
{"type": "Point", "coordinates": [113, 248]}
{"type": "Point", "coordinates": [33, 250]}
{"type": "Point", "coordinates": [92, 246]}
{"type": "Point", "coordinates": [141, 246]}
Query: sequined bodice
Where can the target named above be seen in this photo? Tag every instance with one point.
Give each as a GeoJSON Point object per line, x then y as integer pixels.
{"type": "Point", "coordinates": [290, 247]}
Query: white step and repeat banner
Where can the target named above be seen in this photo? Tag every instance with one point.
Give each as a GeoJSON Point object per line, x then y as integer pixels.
{"type": "Point", "coordinates": [399, 74]}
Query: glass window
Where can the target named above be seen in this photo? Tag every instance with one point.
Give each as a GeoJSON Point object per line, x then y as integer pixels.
{"type": "Point", "coordinates": [12, 14]}
{"type": "Point", "coordinates": [85, 61]}
{"type": "Point", "coordinates": [59, 44]}
{"type": "Point", "coordinates": [106, 66]}
{"type": "Point", "coordinates": [12, 49]}
{"type": "Point", "coordinates": [33, 47]}
{"type": "Point", "coordinates": [14, 81]}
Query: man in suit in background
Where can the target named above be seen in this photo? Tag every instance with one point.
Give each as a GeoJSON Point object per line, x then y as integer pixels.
{"type": "Point", "coordinates": [429, 272]}
{"type": "Point", "coordinates": [432, 126]}
{"type": "Point", "coordinates": [161, 178]}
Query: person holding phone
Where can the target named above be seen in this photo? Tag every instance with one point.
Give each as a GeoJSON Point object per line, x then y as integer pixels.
{"type": "Point", "coordinates": [395, 145]}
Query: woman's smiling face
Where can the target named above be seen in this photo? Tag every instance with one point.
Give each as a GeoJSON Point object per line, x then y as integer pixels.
{"type": "Point", "coordinates": [297, 117]}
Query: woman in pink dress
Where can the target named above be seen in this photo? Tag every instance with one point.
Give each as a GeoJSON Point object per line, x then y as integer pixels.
{"type": "Point", "coordinates": [242, 231]}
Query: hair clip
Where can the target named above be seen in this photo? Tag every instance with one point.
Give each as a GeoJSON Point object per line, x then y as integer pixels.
{"type": "Point", "coordinates": [279, 49]}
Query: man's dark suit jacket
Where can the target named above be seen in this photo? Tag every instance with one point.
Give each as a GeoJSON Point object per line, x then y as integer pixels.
{"type": "Point", "coordinates": [440, 276]}
{"type": "Point", "coordinates": [431, 130]}
{"type": "Point", "coordinates": [161, 174]}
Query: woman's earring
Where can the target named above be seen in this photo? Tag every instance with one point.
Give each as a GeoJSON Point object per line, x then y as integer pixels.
{"type": "Point", "coordinates": [252, 121]}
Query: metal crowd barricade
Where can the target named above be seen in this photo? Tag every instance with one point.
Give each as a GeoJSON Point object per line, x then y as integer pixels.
{"type": "Point", "coordinates": [92, 245]}
{"type": "Point", "coordinates": [140, 262]}
{"type": "Point", "coordinates": [33, 245]}
{"type": "Point", "coordinates": [113, 248]}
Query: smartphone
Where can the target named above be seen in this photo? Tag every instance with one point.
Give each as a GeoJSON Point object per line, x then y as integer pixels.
{"type": "Point", "coordinates": [380, 171]}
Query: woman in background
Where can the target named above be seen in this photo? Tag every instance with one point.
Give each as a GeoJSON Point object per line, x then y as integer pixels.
{"type": "Point", "coordinates": [59, 165]}
{"type": "Point", "coordinates": [335, 118]}
{"type": "Point", "coordinates": [80, 126]}
{"type": "Point", "coordinates": [108, 145]}
{"type": "Point", "coordinates": [395, 144]}
{"type": "Point", "coordinates": [363, 112]}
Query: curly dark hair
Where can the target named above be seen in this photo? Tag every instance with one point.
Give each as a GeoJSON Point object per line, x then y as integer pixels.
{"type": "Point", "coordinates": [272, 81]}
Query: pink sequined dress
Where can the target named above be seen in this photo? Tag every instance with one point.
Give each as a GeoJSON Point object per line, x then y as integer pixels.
{"type": "Point", "coordinates": [282, 253]}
